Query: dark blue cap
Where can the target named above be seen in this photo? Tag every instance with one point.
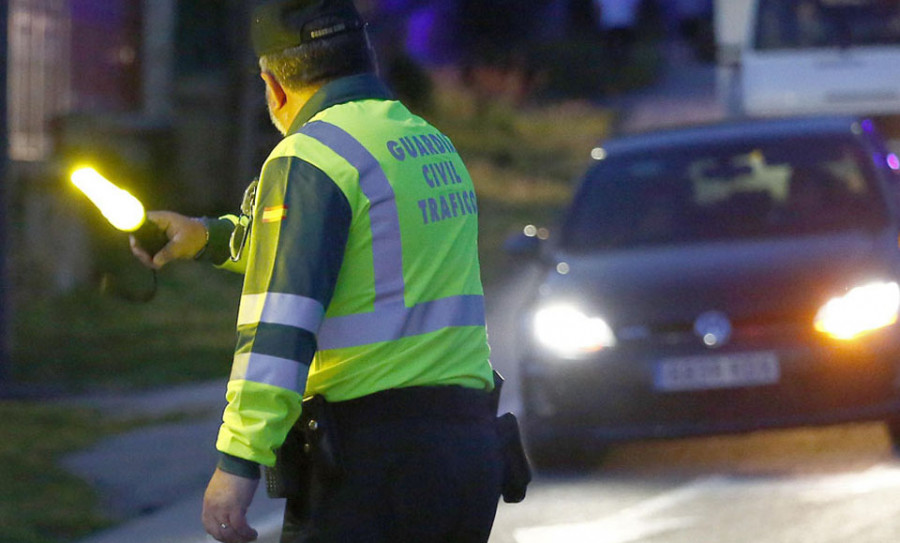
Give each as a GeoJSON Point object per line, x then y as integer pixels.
{"type": "Point", "coordinates": [281, 24]}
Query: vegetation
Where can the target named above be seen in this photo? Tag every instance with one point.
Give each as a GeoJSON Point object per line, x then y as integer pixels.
{"type": "Point", "coordinates": [30, 439]}
{"type": "Point", "coordinates": [80, 341]}
{"type": "Point", "coordinates": [85, 340]}
{"type": "Point", "coordinates": [40, 502]}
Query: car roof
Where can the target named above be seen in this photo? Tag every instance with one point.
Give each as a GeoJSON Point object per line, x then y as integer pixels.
{"type": "Point", "coordinates": [731, 131]}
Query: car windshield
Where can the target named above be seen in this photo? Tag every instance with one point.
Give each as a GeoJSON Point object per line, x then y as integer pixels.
{"type": "Point", "coordinates": [791, 24]}
{"type": "Point", "coordinates": [687, 194]}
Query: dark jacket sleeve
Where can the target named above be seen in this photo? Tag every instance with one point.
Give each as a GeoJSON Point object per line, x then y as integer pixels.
{"type": "Point", "coordinates": [298, 234]}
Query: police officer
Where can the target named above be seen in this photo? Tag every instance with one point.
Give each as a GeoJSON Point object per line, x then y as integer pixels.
{"type": "Point", "coordinates": [361, 287]}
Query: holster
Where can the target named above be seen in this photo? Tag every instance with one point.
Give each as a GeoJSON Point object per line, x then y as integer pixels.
{"type": "Point", "coordinates": [310, 446]}
{"type": "Point", "coordinates": [516, 468]}
{"type": "Point", "coordinates": [291, 474]}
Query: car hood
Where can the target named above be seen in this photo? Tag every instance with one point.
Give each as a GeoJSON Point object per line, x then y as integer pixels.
{"type": "Point", "coordinates": [751, 279]}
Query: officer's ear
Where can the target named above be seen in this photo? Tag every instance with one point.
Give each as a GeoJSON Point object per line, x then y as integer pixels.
{"type": "Point", "coordinates": [276, 94]}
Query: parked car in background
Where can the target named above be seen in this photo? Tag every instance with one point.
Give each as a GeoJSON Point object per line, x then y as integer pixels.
{"type": "Point", "coordinates": [804, 57]}
{"type": "Point", "coordinates": [717, 279]}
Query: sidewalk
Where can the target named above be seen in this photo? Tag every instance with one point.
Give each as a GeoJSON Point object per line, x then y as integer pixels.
{"type": "Point", "coordinates": [152, 478]}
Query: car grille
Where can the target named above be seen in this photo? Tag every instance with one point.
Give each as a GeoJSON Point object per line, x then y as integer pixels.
{"type": "Point", "coordinates": [771, 329]}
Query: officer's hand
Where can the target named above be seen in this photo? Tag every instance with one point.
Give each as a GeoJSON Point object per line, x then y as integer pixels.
{"type": "Point", "coordinates": [225, 507]}
{"type": "Point", "coordinates": [187, 237]}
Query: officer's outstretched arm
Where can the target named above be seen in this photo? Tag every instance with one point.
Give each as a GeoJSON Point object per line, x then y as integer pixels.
{"type": "Point", "coordinates": [187, 237]}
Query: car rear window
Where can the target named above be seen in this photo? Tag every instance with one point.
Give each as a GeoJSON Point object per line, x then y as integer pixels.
{"type": "Point", "coordinates": [793, 24]}
{"type": "Point", "coordinates": [725, 192]}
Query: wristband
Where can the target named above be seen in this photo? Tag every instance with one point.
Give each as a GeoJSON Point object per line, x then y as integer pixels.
{"type": "Point", "coordinates": [202, 250]}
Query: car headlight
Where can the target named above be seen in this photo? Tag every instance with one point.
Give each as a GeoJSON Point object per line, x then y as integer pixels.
{"type": "Point", "coordinates": [568, 331]}
{"type": "Point", "coordinates": [862, 309]}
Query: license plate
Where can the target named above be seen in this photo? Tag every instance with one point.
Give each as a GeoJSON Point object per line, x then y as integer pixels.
{"type": "Point", "coordinates": [717, 371]}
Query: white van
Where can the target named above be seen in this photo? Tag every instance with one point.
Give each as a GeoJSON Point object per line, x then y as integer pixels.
{"type": "Point", "coordinates": [821, 56]}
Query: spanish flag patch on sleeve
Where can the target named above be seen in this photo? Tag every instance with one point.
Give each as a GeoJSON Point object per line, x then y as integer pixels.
{"type": "Point", "coordinates": [274, 213]}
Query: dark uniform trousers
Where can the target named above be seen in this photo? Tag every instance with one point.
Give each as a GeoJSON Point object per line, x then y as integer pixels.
{"type": "Point", "coordinates": [419, 465]}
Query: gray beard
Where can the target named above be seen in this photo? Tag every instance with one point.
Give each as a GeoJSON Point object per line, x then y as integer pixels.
{"type": "Point", "coordinates": [278, 126]}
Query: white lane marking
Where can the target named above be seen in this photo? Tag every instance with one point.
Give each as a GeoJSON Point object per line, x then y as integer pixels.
{"type": "Point", "coordinates": [629, 524]}
{"type": "Point", "coordinates": [847, 485]}
{"type": "Point", "coordinates": [844, 496]}
{"type": "Point", "coordinates": [637, 522]}
{"type": "Point", "coordinates": [602, 531]}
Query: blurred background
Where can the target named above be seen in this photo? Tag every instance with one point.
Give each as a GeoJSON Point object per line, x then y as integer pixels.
{"type": "Point", "coordinates": [164, 98]}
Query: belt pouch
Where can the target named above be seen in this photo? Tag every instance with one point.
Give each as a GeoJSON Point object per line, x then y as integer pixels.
{"type": "Point", "coordinates": [516, 470]}
{"type": "Point", "coordinates": [320, 432]}
{"type": "Point", "coordinates": [291, 475]}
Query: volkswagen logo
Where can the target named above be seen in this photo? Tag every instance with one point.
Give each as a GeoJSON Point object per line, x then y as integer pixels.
{"type": "Point", "coordinates": [713, 328]}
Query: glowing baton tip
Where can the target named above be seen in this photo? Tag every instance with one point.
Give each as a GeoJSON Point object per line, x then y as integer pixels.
{"type": "Point", "coordinates": [121, 209]}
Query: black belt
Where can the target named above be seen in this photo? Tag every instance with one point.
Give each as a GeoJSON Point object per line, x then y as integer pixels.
{"type": "Point", "coordinates": [451, 403]}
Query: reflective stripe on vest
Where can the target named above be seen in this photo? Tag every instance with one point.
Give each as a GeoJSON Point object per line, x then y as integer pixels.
{"type": "Point", "coordinates": [285, 309]}
{"type": "Point", "coordinates": [391, 319]}
{"type": "Point", "coordinates": [270, 370]}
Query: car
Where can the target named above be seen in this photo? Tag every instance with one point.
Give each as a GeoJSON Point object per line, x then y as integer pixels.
{"type": "Point", "coordinates": [715, 279]}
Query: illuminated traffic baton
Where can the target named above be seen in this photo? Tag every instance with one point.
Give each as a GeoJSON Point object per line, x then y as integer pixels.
{"type": "Point", "coordinates": [121, 209]}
